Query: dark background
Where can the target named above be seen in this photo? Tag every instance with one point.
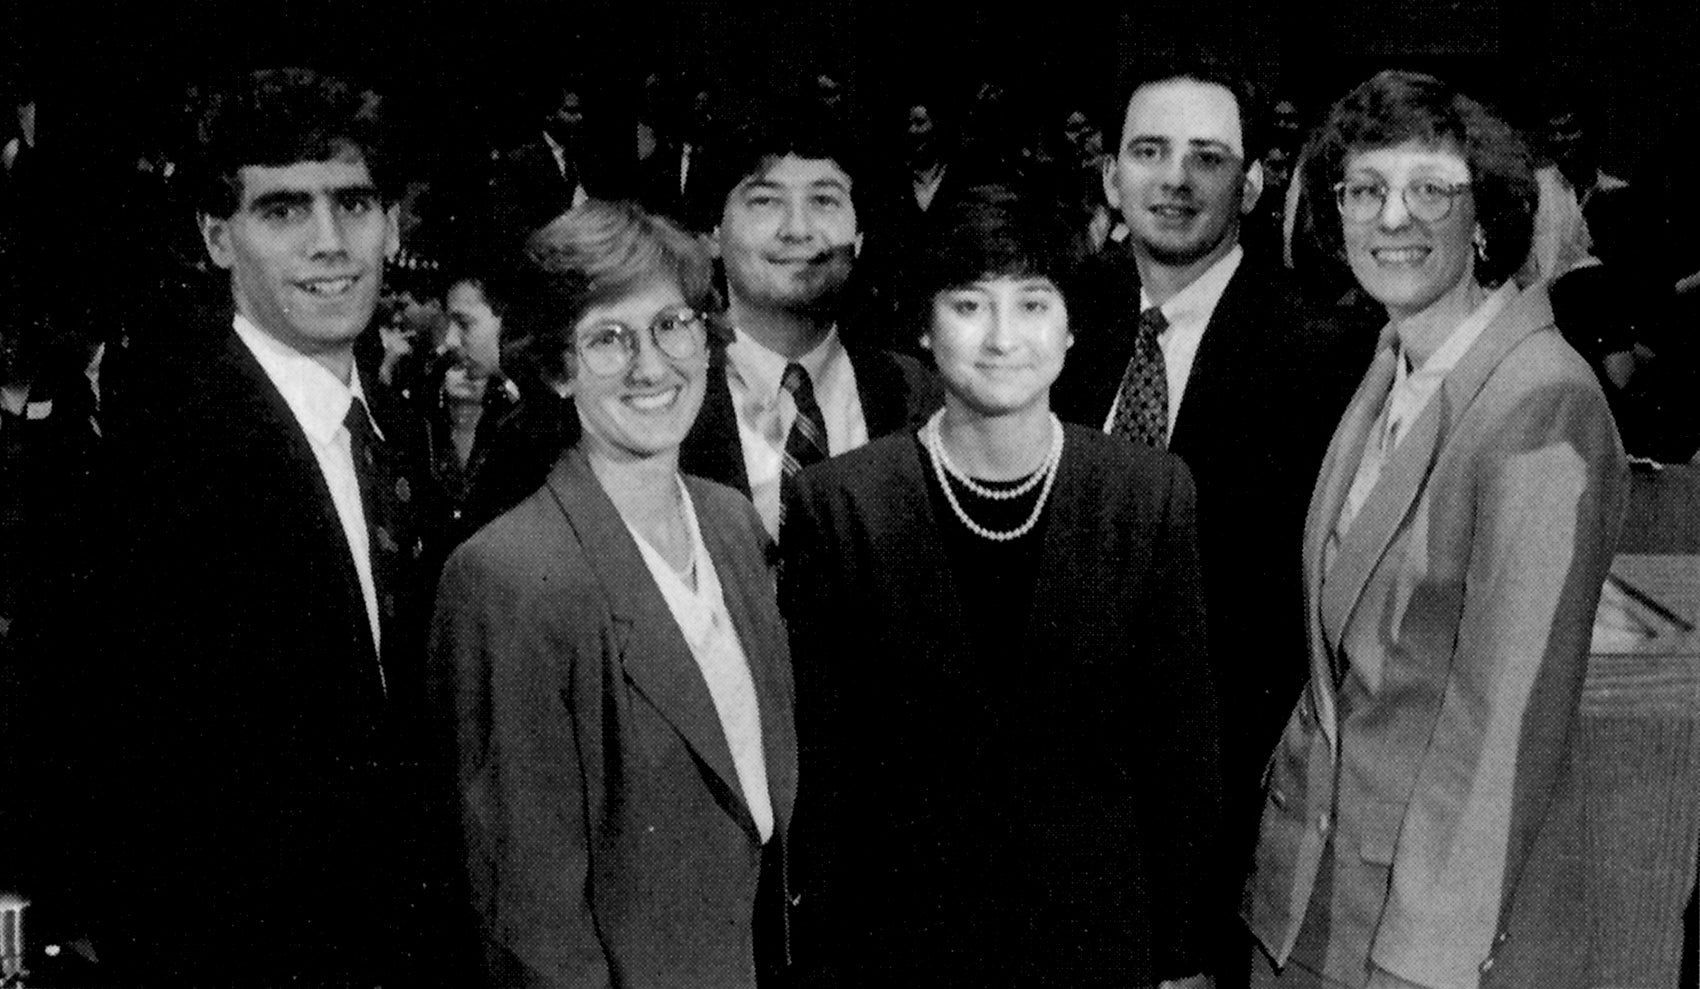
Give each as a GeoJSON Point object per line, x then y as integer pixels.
{"type": "Point", "coordinates": [108, 73]}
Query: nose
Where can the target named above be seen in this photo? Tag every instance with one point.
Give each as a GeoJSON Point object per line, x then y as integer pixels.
{"type": "Point", "coordinates": [795, 224]}
{"type": "Point", "coordinates": [454, 339]}
{"type": "Point", "coordinates": [1000, 329]}
{"type": "Point", "coordinates": [647, 362]}
{"type": "Point", "coordinates": [1394, 214]}
{"type": "Point", "coordinates": [1176, 170]}
{"type": "Point", "coordinates": [327, 233]}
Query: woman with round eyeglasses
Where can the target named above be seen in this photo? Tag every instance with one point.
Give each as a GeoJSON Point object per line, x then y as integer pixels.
{"type": "Point", "coordinates": [1423, 824]}
{"type": "Point", "coordinates": [1006, 720]}
{"type": "Point", "coordinates": [610, 653]}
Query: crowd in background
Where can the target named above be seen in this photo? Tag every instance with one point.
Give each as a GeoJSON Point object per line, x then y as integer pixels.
{"type": "Point", "coordinates": [92, 358]}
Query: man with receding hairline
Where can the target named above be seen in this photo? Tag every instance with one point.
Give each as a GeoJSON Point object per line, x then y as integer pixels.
{"type": "Point", "coordinates": [1191, 343]}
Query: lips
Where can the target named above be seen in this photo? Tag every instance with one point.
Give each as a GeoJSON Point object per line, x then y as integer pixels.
{"type": "Point", "coordinates": [654, 401]}
{"type": "Point", "coordinates": [1174, 211]}
{"type": "Point", "coordinates": [1400, 256]}
{"type": "Point", "coordinates": [327, 287]}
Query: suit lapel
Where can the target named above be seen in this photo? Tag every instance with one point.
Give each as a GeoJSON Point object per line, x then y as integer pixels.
{"type": "Point", "coordinates": [1055, 598]}
{"type": "Point", "coordinates": [713, 448]}
{"type": "Point", "coordinates": [269, 413]}
{"type": "Point", "coordinates": [1229, 337]}
{"type": "Point", "coordinates": [653, 651]}
{"type": "Point", "coordinates": [1406, 473]}
{"type": "Point", "coordinates": [761, 640]}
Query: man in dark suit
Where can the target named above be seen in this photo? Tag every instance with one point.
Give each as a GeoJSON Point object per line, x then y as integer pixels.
{"type": "Point", "coordinates": [1247, 385]}
{"type": "Point", "coordinates": [796, 385]}
{"type": "Point", "coordinates": [261, 817]}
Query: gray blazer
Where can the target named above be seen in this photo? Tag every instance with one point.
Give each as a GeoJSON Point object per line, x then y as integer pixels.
{"type": "Point", "coordinates": [607, 839]}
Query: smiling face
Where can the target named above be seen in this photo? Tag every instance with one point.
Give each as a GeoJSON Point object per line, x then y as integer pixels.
{"type": "Point", "coordinates": [999, 342]}
{"type": "Point", "coordinates": [788, 235]}
{"type": "Point", "coordinates": [1404, 263]}
{"type": "Point", "coordinates": [645, 410]}
{"type": "Point", "coordinates": [305, 250]}
{"type": "Point", "coordinates": [1180, 178]}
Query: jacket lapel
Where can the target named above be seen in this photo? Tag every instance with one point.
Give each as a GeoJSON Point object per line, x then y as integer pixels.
{"type": "Point", "coordinates": [1407, 472]}
{"type": "Point", "coordinates": [879, 387]}
{"type": "Point", "coordinates": [762, 641]}
{"type": "Point", "coordinates": [653, 651]}
{"type": "Point", "coordinates": [268, 412]}
{"type": "Point", "coordinates": [713, 448]}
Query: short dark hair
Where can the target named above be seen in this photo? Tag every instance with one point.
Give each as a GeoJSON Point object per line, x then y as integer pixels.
{"type": "Point", "coordinates": [279, 117]}
{"type": "Point", "coordinates": [1202, 67]}
{"type": "Point", "coordinates": [756, 136]}
{"type": "Point", "coordinates": [595, 253]}
{"type": "Point", "coordinates": [1394, 107]}
{"type": "Point", "coordinates": [989, 231]}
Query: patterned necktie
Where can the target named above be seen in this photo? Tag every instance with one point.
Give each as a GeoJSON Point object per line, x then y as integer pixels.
{"type": "Point", "coordinates": [806, 443]}
{"type": "Point", "coordinates": [384, 493]}
{"type": "Point", "coordinates": [1142, 403]}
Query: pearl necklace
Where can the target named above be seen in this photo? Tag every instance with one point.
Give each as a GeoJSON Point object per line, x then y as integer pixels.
{"type": "Point", "coordinates": [946, 470]}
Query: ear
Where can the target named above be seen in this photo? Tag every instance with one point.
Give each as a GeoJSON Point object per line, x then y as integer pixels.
{"type": "Point", "coordinates": [1251, 187]}
{"type": "Point", "coordinates": [215, 233]}
{"type": "Point", "coordinates": [1112, 194]}
{"type": "Point", "coordinates": [927, 340]}
{"type": "Point", "coordinates": [392, 236]}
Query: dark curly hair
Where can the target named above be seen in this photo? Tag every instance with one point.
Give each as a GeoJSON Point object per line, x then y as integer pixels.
{"type": "Point", "coordinates": [277, 118]}
{"type": "Point", "coordinates": [595, 253]}
{"type": "Point", "coordinates": [1394, 107]}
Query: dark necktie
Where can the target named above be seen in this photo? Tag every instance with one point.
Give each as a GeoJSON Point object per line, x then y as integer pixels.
{"type": "Point", "coordinates": [806, 443]}
{"type": "Point", "coordinates": [384, 493]}
{"type": "Point", "coordinates": [1142, 404]}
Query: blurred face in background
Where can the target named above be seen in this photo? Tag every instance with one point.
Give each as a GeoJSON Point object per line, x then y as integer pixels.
{"type": "Point", "coordinates": [472, 340]}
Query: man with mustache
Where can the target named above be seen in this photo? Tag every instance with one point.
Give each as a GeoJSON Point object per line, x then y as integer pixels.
{"type": "Point", "coordinates": [795, 385]}
{"type": "Point", "coordinates": [262, 815]}
{"type": "Point", "coordinates": [1189, 342]}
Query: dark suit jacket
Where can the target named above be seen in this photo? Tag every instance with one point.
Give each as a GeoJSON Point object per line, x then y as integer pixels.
{"type": "Point", "coordinates": [1266, 388]}
{"type": "Point", "coordinates": [895, 390]}
{"type": "Point", "coordinates": [608, 840]}
{"type": "Point", "coordinates": [1069, 784]}
{"type": "Point", "coordinates": [262, 822]}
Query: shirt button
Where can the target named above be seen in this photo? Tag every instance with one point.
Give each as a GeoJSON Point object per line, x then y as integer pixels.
{"type": "Point", "coordinates": [403, 491]}
{"type": "Point", "coordinates": [1323, 822]}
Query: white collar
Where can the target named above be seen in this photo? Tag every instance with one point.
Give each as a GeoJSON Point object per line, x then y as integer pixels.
{"type": "Point", "coordinates": [1198, 300]}
{"type": "Point", "coordinates": [320, 402]}
{"type": "Point", "coordinates": [1458, 342]}
{"type": "Point", "coordinates": [762, 370]}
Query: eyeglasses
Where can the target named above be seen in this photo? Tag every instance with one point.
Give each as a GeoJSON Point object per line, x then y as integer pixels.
{"type": "Point", "coordinates": [1429, 200]}
{"type": "Point", "coordinates": [608, 348]}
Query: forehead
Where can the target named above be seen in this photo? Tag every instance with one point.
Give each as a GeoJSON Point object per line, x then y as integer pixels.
{"type": "Point", "coordinates": [635, 308]}
{"type": "Point", "coordinates": [794, 172]}
{"type": "Point", "coordinates": [1411, 159]}
{"type": "Point", "coordinates": [465, 295]}
{"type": "Point", "coordinates": [1010, 283]}
{"type": "Point", "coordinates": [346, 171]}
{"type": "Point", "coordinates": [1184, 110]}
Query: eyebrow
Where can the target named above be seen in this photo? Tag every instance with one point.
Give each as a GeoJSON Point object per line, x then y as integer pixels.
{"type": "Point", "coordinates": [299, 197]}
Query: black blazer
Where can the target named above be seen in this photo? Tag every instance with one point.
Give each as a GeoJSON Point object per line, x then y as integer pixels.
{"type": "Point", "coordinates": [1089, 818]}
{"type": "Point", "coordinates": [1270, 381]}
{"type": "Point", "coordinates": [896, 391]}
{"type": "Point", "coordinates": [263, 818]}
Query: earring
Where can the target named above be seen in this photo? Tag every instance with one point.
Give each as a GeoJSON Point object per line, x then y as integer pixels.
{"type": "Point", "coordinates": [1480, 240]}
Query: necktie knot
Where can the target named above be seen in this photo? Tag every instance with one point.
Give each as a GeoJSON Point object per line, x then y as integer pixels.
{"type": "Point", "coordinates": [1152, 322]}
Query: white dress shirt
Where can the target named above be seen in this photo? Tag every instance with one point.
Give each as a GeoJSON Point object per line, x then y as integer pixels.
{"type": "Point", "coordinates": [1187, 313]}
{"type": "Point", "coordinates": [320, 403]}
{"type": "Point", "coordinates": [700, 612]}
{"type": "Point", "coordinates": [766, 411]}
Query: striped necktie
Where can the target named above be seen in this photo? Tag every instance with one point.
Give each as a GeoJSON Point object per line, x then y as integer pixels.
{"type": "Point", "coordinates": [806, 443]}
